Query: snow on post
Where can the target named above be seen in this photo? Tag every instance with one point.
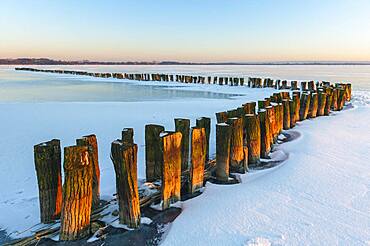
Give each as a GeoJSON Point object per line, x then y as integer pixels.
{"type": "Point", "coordinates": [124, 158]}
{"type": "Point", "coordinates": [77, 193]}
{"type": "Point", "coordinates": [171, 169]}
{"type": "Point", "coordinates": [153, 155]}
{"type": "Point", "coordinates": [92, 143]}
{"type": "Point", "coordinates": [48, 170]}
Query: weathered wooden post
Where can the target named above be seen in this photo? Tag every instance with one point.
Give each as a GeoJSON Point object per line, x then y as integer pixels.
{"type": "Point", "coordinates": [237, 163]}
{"type": "Point", "coordinates": [265, 133]}
{"type": "Point", "coordinates": [349, 91]}
{"type": "Point", "coordinates": [304, 86]}
{"type": "Point", "coordinates": [223, 137]}
{"type": "Point", "coordinates": [304, 106]}
{"type": "Point", "coordinates": [329, 98]}
{"type": "Point", "coordinates": [128, 135]}
{"type": "Point", "coordinates": [221, 117]}
{"type": "Point", "coordinates": [250, 108]}
{"type": "Point", "coordinates": [322, 103]}
{"type": "Point", "coordinates": [286, 118]}
{"type": "Point", "coordinates": [171, 170]}
{"type": "Point", "coordinates": [334, 103]}
{"type": "Point", "coordinates": [77, 193]}
{"type": "Point", "coordinates": [48, 170]}
{"type": "Point", "coordinates": [183, 126]}
{"type": "Point", "coordinates": [273, 128]}
{"type": "Point", "coordinates": [297, 102]}
{"type": "Point", "coordinates": [198, 158]}
{"type": "Point", "coordinates": [205, 122]}
{"type": "Point", "coordinates": [341, 98]}
{"type": "Point", "coordinates": [293, 85]}
{"type": "Point", "coordinates": [92, 143]}
{"type": "Point", "coordinates": [153, 156]}
{"type": "Point", "coordinates": [253, 138]}
{"type": "Point", "coordinates": [124, 158]}
{"type": "Point", "coordinates": [314, 103]}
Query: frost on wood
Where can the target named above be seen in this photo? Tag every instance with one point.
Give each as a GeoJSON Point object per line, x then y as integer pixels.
{"type": "Point", "coordinates": [77, 193]}
{"type": "Point", "coordinates": [48, 170]}
{"type": "Point", "coordinates": [124, 158]}
{"type": "Point", "coordinates": [92, 142]}
{"type": "Point", "coordinates": [153, 156]}
{"type": "Point", "coordinates": [171, 169]}
{"type": "Point", "coordinates": [198, 158]}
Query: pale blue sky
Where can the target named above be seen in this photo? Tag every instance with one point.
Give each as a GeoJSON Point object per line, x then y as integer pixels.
{"type": "Point", "coordinates": [188, 30]}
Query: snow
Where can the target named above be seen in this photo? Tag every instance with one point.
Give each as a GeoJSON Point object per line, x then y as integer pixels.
{"type": "Point", "coordinates": [319, 195]}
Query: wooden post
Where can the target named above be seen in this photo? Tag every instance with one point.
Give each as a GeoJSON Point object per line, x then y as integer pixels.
{"type": "Point", "coordinates": [128, 135]}
{"type": "Point", "coordinates": [77, 193]}
{"type": "Point", "coordinates": [304, 106]}
{"type": "Point", "coordinates": [198, 158]}
{"type": "Point", "coordinates": [153, 156]}
{"type": "Point", "coordinates": [272, 122]}
{"type": "Point", "coordinates": [171, 170]}
{"type": "Point", "coordinates": [183, 126]}
{"type": "Point", "coordinates": [250, 108]}
{"type": "Point", "coordinates": [124, 158]}
{"type": "Point", "coordinates": [334, 102]}
{"type": "Point", "coordinates": [322, 103]}
{"type": "Point", "coordinates": [297, 102]}
{"type": "Point", "coordinates": [253, 138]}
{"type": "Point", "coordinates": [223, 137]}
{"type": "Point", "coordinates": [349, 91]}
{"type": "Point", "coordinates": [265, 133]}
{"type": "Point", "coordinates": [221, 117]}
{"type": "Point", "coordinates": [205, 122]}
{"type": "Point", "coordinates": [236, 145]}
{"type": "Point", "coordinates": [341, 98]}
{"type": "Point", "coordinates": [91, 142]}
{"type": "Point", "coordinates": [329, 98]}
{"type": "Point", "coordinates": [286, 118]}
{"type": "Point", "coordinates": [279, 114]}
{"type": "Point", "coordinates": [48, 170]}
{"type": "Point", "coordinates": [314, 103]}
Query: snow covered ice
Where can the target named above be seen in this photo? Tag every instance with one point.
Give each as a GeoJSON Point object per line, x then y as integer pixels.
{"type": "Point", "coordinates": [319, 196]}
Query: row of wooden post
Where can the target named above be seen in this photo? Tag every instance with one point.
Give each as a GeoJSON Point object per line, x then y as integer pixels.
{"type": "Point", "coordinates": [220, 80]}
{"type": "Point", "coordinates": [244, 136]}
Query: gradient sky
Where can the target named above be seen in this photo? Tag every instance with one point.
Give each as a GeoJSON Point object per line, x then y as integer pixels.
{"type": "Point", "coordinates": [187, 30]}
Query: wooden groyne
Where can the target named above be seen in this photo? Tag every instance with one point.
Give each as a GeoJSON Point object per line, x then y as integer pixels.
{"type": "Point", "coordinates": [177, 162]}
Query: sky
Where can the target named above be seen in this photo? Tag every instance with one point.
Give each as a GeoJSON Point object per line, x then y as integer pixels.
{"type": "Point", "coordinates": [186, 30]}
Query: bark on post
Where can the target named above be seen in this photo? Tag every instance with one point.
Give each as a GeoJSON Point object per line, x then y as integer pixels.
{"type": "Point", "coordinates": [48, 170]}
{"type": "Point", "coordinates": [171, 170]}
{"type": "Point", "coordinates": [329, 98]}
{"type": "Point", "coordinates": [223, 137]}
{"type": "Point", "coordinates": [253, 138]}
{"type": "Point", "coordinates": [205, 122]}
{"type": "Point", "coordinates": [322, 104]}
{"type": "Point", "coordinates": [236, 145]}
{"type": "Point", "coordinates": [314, 103]}
{"type": "Point", "coordinates": [221, 117]}
{"type": "Point", "coordinates": [153, 156]}
{"type": "Point", "coordinates": [92, 143]}
{"type": "Point", "coordinates": [124, 158]}
{"type": "Point", "coordinates": [265, 133]}
{"type": "Point", "coordinates": [286, 118]}
{"type": "Point", "coordinates": [341, 98]}
{"type": "Point", "coordinates": [334, 102]}
{"type": "Point", "coordinates": [183, 126]}
{"type": "Point", "coordinates": [305, 103]}
{"type": "Point", "coordinates": [292, 108]}
{"type": "Point", "coordinates": [198, 158]}
{"type": "Point", "coordinates": [77, 193]}
{"type": "Point", "coordinates": [297, 102]}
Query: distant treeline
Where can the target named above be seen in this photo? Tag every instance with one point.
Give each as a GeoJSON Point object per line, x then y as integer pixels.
{"type": "Point", "coordinates": [46, 61]}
